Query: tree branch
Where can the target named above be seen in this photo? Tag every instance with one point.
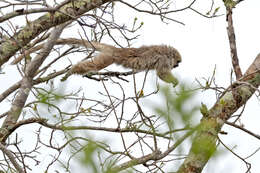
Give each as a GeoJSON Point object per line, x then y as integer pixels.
{"type": "Point", "coordinates": [156, 155]}
{"type": "Point", "coordinates": [43, 23]}
{"type": "Point", "coordinates": [27, 83]}
{"type": "Point", "coordinates": [243, 129]}
{"type": "Point", "coordinates": [204, 143]}
{"type": "Point", "coordinates": [22, 11]}
{"type": "Point", "coordinates": [232, 43]}
{"type": "Point", "coordinates": [12, 158]}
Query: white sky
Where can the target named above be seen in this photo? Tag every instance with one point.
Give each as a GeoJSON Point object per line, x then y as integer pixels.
{"type": "Point", "coordinates": [203, 43]}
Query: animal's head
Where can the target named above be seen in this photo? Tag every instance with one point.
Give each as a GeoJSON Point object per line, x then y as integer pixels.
{"type": "Point", "coordinates": [175, 57]}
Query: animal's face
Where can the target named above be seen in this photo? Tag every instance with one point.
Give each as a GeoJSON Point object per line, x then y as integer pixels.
{"type": "Point", "coordinates": [175, 58]}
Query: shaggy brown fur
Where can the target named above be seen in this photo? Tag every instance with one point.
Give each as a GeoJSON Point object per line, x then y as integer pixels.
{"type": "Point", "coordinates": [161, 58]}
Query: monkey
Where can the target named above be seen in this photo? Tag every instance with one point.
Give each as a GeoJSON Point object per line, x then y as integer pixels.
{"type": "Point", "coordinates": [161, 58]}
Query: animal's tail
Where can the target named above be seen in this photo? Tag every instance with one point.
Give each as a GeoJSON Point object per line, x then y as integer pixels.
{"type": "Point", "coordinates": [69, 41]}
{"type": "Point", "coordinates": [88, 44]}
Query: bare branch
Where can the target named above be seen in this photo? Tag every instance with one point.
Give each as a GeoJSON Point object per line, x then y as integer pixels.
{"type": "Point", "coordinates": [12, 158]}
{"type": "Point", "coordinates": [232, 43]}
{"type": "Point", "coordinates": [147, 140]}
{"type": "Point", "coordinates": [44, 122]}
{"type": "Point", "coordinates": [160, 13]}
{"type": "Point", "coordinates": [23, 11]}
{"type": "Point", "coordinates": [243, 129]}
{"type": "Point", "coordinates": [223, 109]}
{"type": "Point", "coordinates": [156, 155]}
{"type": "Point", "coordinates": [43, 23]}
{"type": "Point", "coordinates": [27, 81]}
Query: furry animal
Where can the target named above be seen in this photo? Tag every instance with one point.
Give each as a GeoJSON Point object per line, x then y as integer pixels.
{"type": "Point", "coordinates": [162, 58]}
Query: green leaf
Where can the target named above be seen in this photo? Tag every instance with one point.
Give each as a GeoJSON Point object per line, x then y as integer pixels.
{"type": "Point", "coordinates": [204, 110]}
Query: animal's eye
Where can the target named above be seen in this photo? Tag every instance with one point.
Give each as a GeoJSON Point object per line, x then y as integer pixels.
{"type": "Point", "coordinates": [178, 61]}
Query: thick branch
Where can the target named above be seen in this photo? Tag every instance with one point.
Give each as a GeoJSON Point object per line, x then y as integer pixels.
{"type": "Point", "coordinates": [22, 11]}
{"type": "Point", "coordinates": [204, 143]}
{"type": "Point", "coordinates": [27, 82]}
{"type": "Point", "coordinates": [12, 158]}
{"type": "Point", "coordinates": [43, 23]}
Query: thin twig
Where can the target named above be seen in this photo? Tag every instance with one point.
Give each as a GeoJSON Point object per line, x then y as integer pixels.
{"type": "Point", "coordinates": [243, 129]}
{"type": "Point", "coordinates": [9, 154]}
{"type": "Point", "coordinates": [232, 43]}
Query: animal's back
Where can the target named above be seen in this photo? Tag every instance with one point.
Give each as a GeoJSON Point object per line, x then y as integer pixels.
{"type": "Point", "coordinates": [146, 57]}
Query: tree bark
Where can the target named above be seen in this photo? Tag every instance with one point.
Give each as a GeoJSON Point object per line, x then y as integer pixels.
{"type": "Point", "coordinates": [236, 95]}
{"type": "Point", "coordinates": [68, 12]}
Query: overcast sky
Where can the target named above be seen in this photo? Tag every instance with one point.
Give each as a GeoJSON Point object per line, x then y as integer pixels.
{"type": "Point", "coordinates": [203, 43]}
